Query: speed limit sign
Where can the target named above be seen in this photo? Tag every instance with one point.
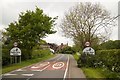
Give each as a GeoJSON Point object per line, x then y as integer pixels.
{"type": "Point", "coordinates": [87, 44]}
{"type": "Point", "coordinates": [15, 44]}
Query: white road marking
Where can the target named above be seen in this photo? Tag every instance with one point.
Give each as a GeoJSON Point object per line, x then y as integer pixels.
{"type": "Point", "coordinates": [45, 68]}
{"type": "Point", "coordinates": [20, 70]}
{"type": "Point", "coordinates": [27, 74]}
{"type": "Point", "coordinates": [8, 74]}
{"type": "Point", "coordinates": [58, 65]}
{"type": "Point", "coordinates": [41, 69]}
{"type": "Point", "coordinates": [40, 65]}
{"type": "Point", "coordinates": [35, 70]}
{"type": "Point", "coordinates": [66, 69]}
{"type": "Point", "coordinates": [34, 67]}
{"type": "Point", "coordinates": [44, 64]}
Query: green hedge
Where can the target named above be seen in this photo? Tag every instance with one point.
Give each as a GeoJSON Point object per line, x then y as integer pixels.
{"type": "Point", "coordinates": [5, 57]}
{"type": "Point", "coordinates": [40, 53]}
{"type": "Point", "coordinates": [26, 54]}
{"type": "Point", "coordinates": [109, 59]}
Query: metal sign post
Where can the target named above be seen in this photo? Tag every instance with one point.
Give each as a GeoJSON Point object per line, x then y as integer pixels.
{"type": "Point", "coordinates": [15, 53]}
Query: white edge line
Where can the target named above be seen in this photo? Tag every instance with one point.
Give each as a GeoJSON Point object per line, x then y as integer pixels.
{"type": "Point", "coordinates": [8, 74]}
{"type": "Point", "coordinates": [27, 74]}
{"type": "Point", "coordinates": [66, 69]}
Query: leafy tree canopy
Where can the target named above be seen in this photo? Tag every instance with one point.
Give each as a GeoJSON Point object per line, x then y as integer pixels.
{"type": "Point", "coordinates": [110, 45]}
{"type": "Point", "coordinates": [30, 28]}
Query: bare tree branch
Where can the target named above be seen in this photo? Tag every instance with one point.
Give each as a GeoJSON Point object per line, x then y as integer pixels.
{"type": "Point", "coordinates": [85, 21]}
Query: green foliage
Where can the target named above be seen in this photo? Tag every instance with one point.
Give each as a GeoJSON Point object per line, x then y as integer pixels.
{"type": "Point", "coordinates": [103, 58]}
{"type": "Point", "coordinates": [110, 45]}
{"type": "Point", "coordinates": [5, 57]}
{"type": "Point", "coordinates": [43, 42]}
{"type": "Point", "coordinates": [12, 67]}
{"type": "Point", "coordinates": [26, 55]}
{"type": "Point", "coordinates": [100, 73]}
{"type": "Point", "coordinates": [30, 28]}
{"type": "Point", "coordinates": [76, 56]}
{"type": "Point", "coordinates": [93, 73]}
{"type": "Point", "coordinates": [97, 72]}
{"type": "Point", "coordinates": [67, 50]}
{"type": "Point", "coordinates": [76, 48]}
{"type": "Point", "coordinates": [109, 59]}
{"type": "Point", "coordinates": [86, 60]}
{"type": "Point", "coordinates": [40, 53]}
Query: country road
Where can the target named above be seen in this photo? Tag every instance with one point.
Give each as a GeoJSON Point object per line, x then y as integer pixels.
{"type": "Point", "coordinates": [61, 67]}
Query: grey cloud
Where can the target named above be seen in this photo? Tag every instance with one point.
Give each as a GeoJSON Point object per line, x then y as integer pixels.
{"type": "Point", "coordinates": [11, 11]}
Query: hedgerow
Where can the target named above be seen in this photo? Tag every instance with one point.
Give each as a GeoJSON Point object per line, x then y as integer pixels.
{"type": "Point", "coordinates": [109, 59]}
{"type": "Point", "coordinates": [25, 55]}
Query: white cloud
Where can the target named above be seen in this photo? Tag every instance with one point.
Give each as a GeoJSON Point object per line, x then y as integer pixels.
{"type": "Point", "coordinates": [58, 39]}
{"type": "Point", "coordinates": [114, 35]}
{"type": "Point", "coordinates": [11, 9]}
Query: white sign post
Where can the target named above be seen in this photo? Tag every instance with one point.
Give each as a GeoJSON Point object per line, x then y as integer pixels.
{"type": "Point", "coordinates": [15, 53]}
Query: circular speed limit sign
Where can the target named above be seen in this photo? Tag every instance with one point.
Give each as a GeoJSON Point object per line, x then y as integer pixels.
{"type": "Point", "coordinates": [87, 44]}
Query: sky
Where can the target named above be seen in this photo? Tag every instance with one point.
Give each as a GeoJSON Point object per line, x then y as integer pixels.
{"type": "Point", "coordinates": [10, 9]}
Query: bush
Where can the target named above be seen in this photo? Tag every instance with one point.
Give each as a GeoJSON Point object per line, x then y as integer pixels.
{"type": "Point", "coordinates": [67, 50]}
{"type": "Point", "coordinates": [40, 53]}
{"type": "Point", "coordinates": [103, 58]}
{"type": "Point", "coordinates": [25, 55]}
{"type": "Point", "coordinates": [5, 57]}
{"type": "Point", "coordinates": [86, 60]}
{"type": "Point", "coordinates": [109, 59]}
{"type": "Point", "coordinates": [110, 45]}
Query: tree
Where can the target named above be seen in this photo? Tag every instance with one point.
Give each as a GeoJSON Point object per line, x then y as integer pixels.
{"type": "Point", "coordinates": [87, 22]}
{"type": "Point", "coordinates": [67, 50]}
{"type": "Point", "coordinates": [30, 28]}
{"type": "Point", "coordinates": [110, 45]}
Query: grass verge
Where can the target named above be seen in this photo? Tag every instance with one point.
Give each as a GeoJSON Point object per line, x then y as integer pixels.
{"type": "Point", "coordinates": [93, 73]}
{"type": "Point", "coordinates": [100, 73]}
{"type": "Point", "coordinates": [76, 56]}
{"type": "Point", "coordinates": [12, 67]}
{"type": "Point", "coordinates": [97, 72]}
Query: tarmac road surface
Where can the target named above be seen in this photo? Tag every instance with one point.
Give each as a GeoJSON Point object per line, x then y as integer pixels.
{"type": "Point", "coordinates": [61, 67]}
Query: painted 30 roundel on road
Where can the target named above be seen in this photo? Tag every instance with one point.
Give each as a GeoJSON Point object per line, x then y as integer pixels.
{"type": "Point", "coordinates": [58, 65]}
